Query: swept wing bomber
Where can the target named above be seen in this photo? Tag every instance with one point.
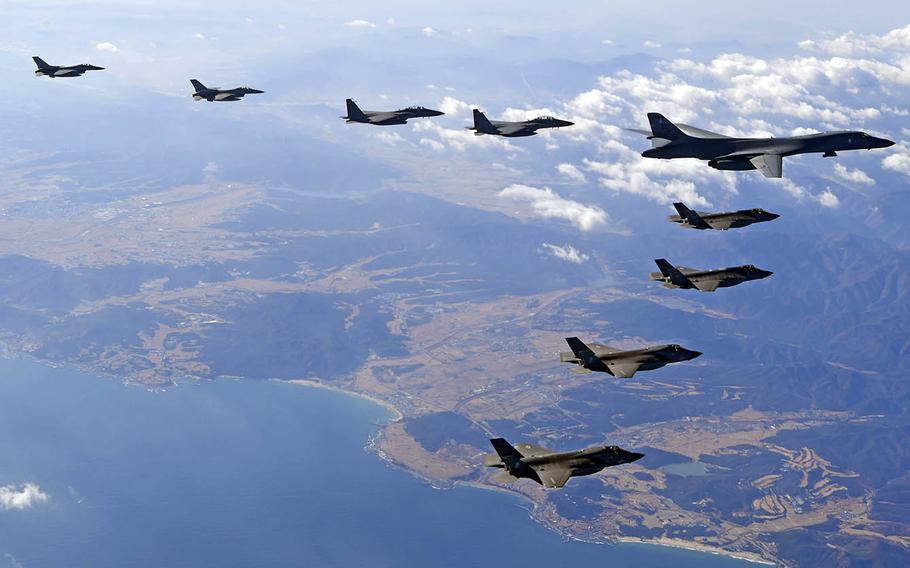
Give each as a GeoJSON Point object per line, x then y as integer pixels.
{"type": "Point", "coordinates": [63, 70]}
{"type": "Point", "coordinates": [766, 155]}
{"type": "Point", "coordinates": [213, 94]}
{"type": "Point", "coordinates": [552, 469]}
{"type": "Point", "coordinates": [386, 118]}
{"type": "Point", "coordinates": [705, 280]}
{"type": "Point", "coordinates": [483, 125]}
{"type": "Point", "coordinates": [719, 221]}
{"type": "Point", "coordinates": [619, 363]}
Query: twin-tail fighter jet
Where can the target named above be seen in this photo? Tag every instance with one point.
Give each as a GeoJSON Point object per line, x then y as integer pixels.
{"type": "Point", "coordinates": [212, 94]}
{"type": "Point", "coordinates": [386, 118]}
{"type": "Point", "coordinates": [483, 125]}
{"type": "Point", "coordinates": [552, 469]}
{"type": "Point", "coordinates": [719, 221]}
{"type": "Point", "coordinates": [619, 363]}
{"type": "Point", "coordinates": [705, 280]}
{"type": "Point", "coordinates": [62, 70]}
{"type": "Point", "coordinates": [766, 155]}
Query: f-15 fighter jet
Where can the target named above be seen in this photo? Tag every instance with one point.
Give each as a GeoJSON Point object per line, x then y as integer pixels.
{"type": "Point", "coordinates": [619, 363]}
{"type": "Point", "coordinates": [386, 118]}
{"type": "Point", "coordinates": [482, 125]}
{"type": "Point", "coordinates": [552, 469]}
{"type": "Point", "coordinates": [705, 280]}
{"type": "Point", "coordinates": [63, 70]}
{"type": "Point", "coordinates": [212, 94]}
{"type": "Point", "coordinates": [763, 154]}
{"type": "Point", "coordinates": [719, 221]}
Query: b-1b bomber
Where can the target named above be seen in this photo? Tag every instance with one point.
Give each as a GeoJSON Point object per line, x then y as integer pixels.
{"type": "Point", "coordinates": [619, 363]}
{"type": "Point", "coordinates": [705, 280]}
{"type": "Point", "coordinates": [719, 221]}
{"type": "Point", "coordinates": [552, 469]}
{"type": "Point", "coordinates": [386, 118]}
{"type": "Point", "coordinates": [670, 141]}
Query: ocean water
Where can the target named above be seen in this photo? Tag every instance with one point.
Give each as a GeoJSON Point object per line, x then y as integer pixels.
{"type": "Point", "coordinates": [242, 473]}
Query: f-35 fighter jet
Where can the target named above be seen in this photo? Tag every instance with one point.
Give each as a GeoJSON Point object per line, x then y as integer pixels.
{"type": "Point", "coordinates": [705, 280]}
{"type": "Point", "coordinates": [763, 154]}
{"type": "Point", "coordinates": [61, 70]}
{"type": "Point", "coordinates": [212, 94]}
{"type": "Point", "coordinates": [391, 117]}
{"type": "Point", "coordinates": [719, 221]}
{"type": "Point", "coordinates": [482, 125]}
{"type": "Point", "coordinates": [619, 363]}
{"type": "Point", "coordinates": [552, 469]}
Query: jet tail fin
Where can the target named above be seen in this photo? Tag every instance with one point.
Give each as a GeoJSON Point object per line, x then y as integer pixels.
{"type": "Point", "coordinates": [197, 85]}
{"type": "Point", "coordinates": [42, 64]}
{"type": "Point", "coordinates": [661, 127]}
{"type": "Point", "coordinates": [671, 272]}
{"type": "Point", "coordinates": [505, 449]}
{"type": "Point", "coordinates": [354, 112]}
{"type": "Point", "coordinates": [578, 347]}
{"type": "Point", "coordinates": [689, 215]}
{"type": "Point", "coordinates": [482, 124]}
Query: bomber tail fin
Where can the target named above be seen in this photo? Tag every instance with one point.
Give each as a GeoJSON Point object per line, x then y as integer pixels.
{"type": "Point", "coordinates": [42, 64]}
{"type": "Point", "coordinates": [354, 112]}
{"type": "Point", "coordinates": [197, 85]}
{"type": "Point", "coordinates": [505, 449]}
{"type": "Point", "coordinates": [673, 273]}
{"type": "Point", "coordinates": [661, 127]}
{"type": "Point", "coordinates": [482, 124]}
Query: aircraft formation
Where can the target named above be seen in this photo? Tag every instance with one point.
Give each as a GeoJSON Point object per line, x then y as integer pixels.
{"type": "Point", "coordinates": [669, 141]}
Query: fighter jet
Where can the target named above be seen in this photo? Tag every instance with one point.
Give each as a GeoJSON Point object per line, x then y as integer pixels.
{"type": "Point", "coordinates": [482, 125]}
{"type": "Point", "coordinates": [622, 364]}
{"type": "Point", "coordinates": [719, 221]}
{"type": "Point", "coordinates": [705, 280]}
{"type": "Point", "coordinates": [400, 116]}
{"type": "Point", "coordinates": [62, 71]}
{"type": "Point", "coordinates": [766, 155]}
{"type": "Point", "coordinates": [552, 469]}
{"type": "Point", "coordinates": [214, 94]}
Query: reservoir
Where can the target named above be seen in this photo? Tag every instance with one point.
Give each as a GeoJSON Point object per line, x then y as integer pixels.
{"type": "Point", "coordinates": [244, 473]}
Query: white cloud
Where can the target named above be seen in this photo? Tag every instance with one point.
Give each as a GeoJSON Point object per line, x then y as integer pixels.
{"type": "Point", "coordinates": [389, 137]}
{"type": "Point", "coordinates": [360, 24]}
{"type": "Point", "coordinates": [21, 496]}
{"type": "Point", "coordinates": [898, 162]}
{"type": "Point", "coordinates": [107, 46]}
{"type": "Point", "coordinates": [607, 42]}
{"type": "Point", "coordinates": [461, 139]}
{"type": "Point", "coordinates": [199, 35]}
{"type": "Point", "coordinates": [548, 204]}
{"type": "Point", "coordinates": [428, 31]}
{"type": "Point", "coordinates": [209, 172]}
{"type": "Point", "coordinates": [651, 44]}
{"type": "Point", "coordinates": [828, 199]}
{"type": "Point", "coordinates": [567, 253]}
{"type": "Point", "coordinates": [855, 175]}
{"type": "Point", "coordinates": [572, 172]}
{"type": "Point", "coordinates": [433, 144]}
{"type": "Point", "coordinates": [390, 21]}
{"type": "Point", "coordinates": [852, 44]}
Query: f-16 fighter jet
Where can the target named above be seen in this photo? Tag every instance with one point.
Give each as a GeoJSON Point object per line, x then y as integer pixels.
{"type": "Point", "coordinates": [619, 363]}
{"type": "Point", "coordinates": [719, 221]}
{"type": "Point", "coordinates": [400, 116]}
{"type": "Point", "coordinates": [552, 469]}
{"type": "Point", "coordinates": [763, 154]}
{"type": "Point", "coordinates": [482, 125]}
{"type": "Point", "coordinates": [63, 71]}
{"type": "Point", "coordinates": [705, 280]}
{"type": "Point", "coordinates": [212, 94]}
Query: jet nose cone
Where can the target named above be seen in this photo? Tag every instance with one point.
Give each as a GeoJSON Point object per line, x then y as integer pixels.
{"type": "Point", "coordinates": [566, 123]}
{"type": "Point", "coordinates": [436, 113]}
{"type": "Point", "coordinates": [635, 456]}
{"type": "Point", "coordinates": [690, 354]}
{"type": "Point", "coordinates": [772, 216]}
{"type": "Point", "coordinates": [887, 143]}
{"type": "Point", "coordinates": [765, 273]}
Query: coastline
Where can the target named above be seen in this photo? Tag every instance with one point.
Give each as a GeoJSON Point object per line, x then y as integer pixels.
{"type": "Point", "coordinates": [397, 415]}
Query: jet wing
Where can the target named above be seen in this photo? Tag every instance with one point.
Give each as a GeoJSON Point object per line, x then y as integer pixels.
{"type": "Point", "coordinates": [687, 270]}
{"type": "Point", "coordinates": [720, 224]}
{"type": "Point", "coordinates": [770, 165]}
{"type": "Point", "coordinates": [383, 116]}
{"type": "Point", "coordinates": [552, 476]}
{"type": "Point", "coordinates": [515, 130]}
{"type": "Point", "coordinates": [532, 451]}
{"type": "Point", "coordinates": [707, 285]}
{"type": "Point", "coordinates": [698, 132]}
{"type": "Point", "coordinates": [226, 97]}
{"type": "Point", "coordinates": [67, 72]}
{"type": "Point", "coordinates": [623, 369]}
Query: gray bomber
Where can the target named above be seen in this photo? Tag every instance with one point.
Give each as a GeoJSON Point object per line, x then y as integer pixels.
{"type": "Point", "coordinates": [763, 154]}
{"type": "Point", "coordinates": [63, 70]}
{"type": "Point", "coordinates": [619, 363]}
{"type": "Point", "coordinates": [719, 221]}
{"type": "Point", "coordinates": [212, 94]}
{"type": "Point", "coordinates": [552, 469]}
{"type": "Point", "coordinates": [483, 125]}
{"type": "Point", "coordinates": [386, 118]}
{"type": "Point", "coordinates": [705, 280]}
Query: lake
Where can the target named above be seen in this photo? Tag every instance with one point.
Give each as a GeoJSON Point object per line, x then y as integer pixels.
{"type": "Point", "coordinates": [244, 473]}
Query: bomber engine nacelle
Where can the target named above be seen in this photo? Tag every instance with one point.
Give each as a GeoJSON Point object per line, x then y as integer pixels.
{"type": "Point", "coordinates": [733, 165]}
